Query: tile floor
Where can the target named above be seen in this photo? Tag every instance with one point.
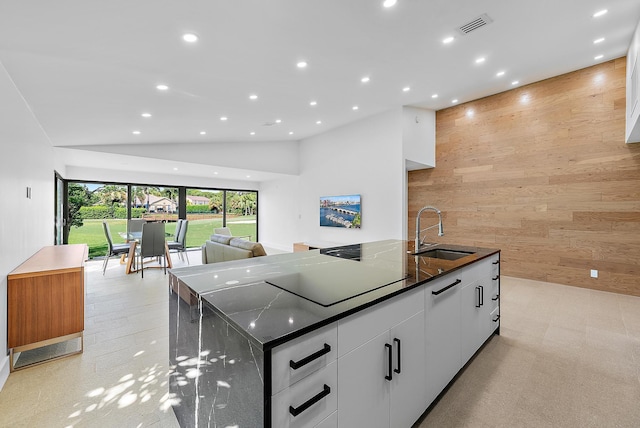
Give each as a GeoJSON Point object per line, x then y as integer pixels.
{"type": "Point", "coordinates": [566, 357]}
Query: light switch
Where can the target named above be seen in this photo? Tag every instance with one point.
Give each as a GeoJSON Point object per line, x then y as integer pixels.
{"type": "Point", "coordinates": [594, 273]}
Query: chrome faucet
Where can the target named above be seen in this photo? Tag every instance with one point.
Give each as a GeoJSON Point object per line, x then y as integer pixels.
{"type": "Point", "coordinates": [420, 243]}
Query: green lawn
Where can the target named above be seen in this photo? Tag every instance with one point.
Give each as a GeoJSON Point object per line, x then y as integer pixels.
{"type": "Point", "coordinates": [91, 232]}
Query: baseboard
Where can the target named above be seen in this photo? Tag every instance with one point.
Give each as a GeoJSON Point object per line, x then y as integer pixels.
{"type": "Point", "coordinates": [4, 371]}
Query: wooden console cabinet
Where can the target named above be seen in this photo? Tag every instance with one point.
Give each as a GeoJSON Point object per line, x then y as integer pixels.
{"type": "Point", "coordinates": [45, 299]}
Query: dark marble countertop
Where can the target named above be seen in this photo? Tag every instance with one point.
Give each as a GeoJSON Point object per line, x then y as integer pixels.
{"type": "Point", "coordinates": [274, 299]}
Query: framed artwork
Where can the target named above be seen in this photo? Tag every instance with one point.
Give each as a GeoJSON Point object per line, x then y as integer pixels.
{"type": "Point", "coordinates": [341, 211]}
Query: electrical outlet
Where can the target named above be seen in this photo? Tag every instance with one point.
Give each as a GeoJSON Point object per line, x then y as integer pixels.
{"type": "Point", "coordinates": [594, 273]}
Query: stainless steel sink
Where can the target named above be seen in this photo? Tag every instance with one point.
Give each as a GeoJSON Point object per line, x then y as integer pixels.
{"type": "Point", "coordinates": [444, 254]}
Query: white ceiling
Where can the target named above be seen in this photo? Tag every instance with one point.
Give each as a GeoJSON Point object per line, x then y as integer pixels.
{"type": "Point", "coordinates": [88, 68]}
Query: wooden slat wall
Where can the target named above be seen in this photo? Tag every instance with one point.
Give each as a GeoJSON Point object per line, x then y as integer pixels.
{"type": "Point", "coordinates": [543, 173]}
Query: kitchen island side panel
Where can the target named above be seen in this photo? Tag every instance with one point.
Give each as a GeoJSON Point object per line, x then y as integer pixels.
{"type": "Point", "coordinates": [217, 375]}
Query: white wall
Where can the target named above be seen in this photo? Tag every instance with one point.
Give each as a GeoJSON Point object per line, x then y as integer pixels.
{"type": "Point", "coordinates": [279, 213]}
{"type": "Point", "coordinates": [26, 225]}
{"type": "Point", "coordinates": [272, 156]}
{"type": "Point", "coordinates": [366, 158]}
{"type": "Point", "coordinates": [111, 175]}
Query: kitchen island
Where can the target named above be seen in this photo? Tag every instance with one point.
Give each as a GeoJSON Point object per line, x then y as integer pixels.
{"type": "Point", "coordinates": [361, 335]}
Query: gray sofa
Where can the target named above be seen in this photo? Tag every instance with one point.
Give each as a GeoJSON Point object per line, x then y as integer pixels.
{"type": "Point", "coordinates": [222, 248]}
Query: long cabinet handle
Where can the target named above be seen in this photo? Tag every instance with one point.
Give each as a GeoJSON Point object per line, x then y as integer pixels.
{"type": "Point", "coordinates": [398, 369]}
{"type": "Point", "coordinates": [306, 360]}
{"type": "Point", "coordinates": [477, 297]}
{"type": "Point", "coordinates": [481, 295]}
{"type": "Point", "coordinates": [389, 375]}
{"type": "Point", "coordinates": [435, 293]}
{"type": "Point", "coordinates": [295, 411]}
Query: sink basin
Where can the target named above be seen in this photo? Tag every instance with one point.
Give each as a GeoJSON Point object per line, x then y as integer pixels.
{"type": "Point", "coordinates": [444, 254]}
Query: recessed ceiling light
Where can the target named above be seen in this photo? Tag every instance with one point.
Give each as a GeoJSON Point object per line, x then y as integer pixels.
{"type": "Point", "coordinates": [215, 173]}
{"type": "Point", "coordinates": [365, 79]}
{"type": "Point", "coordinates": [434, 96]}
{"type": "Point", "coordinates": [500, 73]}
{"type": "Point", "coordinates": [203, 132]}
{"type": "Point", "coordinates": [175, 169]}
{"type": "Point", "coordinates": [248, 176]}
{"type": "Point", "coordinates": [190, 37]}
{"type": "Point", "coordinates": [600, 13]}
{"type": "Point", "coordinates": [448, 40]}
{"type": "Point", "coordinates": [389, 3]}
{"type": "Point", "coordinates": [597, 57]}
{"type": "Point", "coordinates": [454, 101]}
{"type": "Point", "coordinates": [223, 118]}
{"type": "Point", "coordinates": [146, 115]}
{"type": "Point", "coordinates": [301, 64]}
{"type": "Point", "coordinates": [136, 132]}
{"type": "Point", "coordinates": [253, 97]}
{"type": "Point", "coordinates": [600, 40]}
{"type": "Point", "coordinates": [252, 133]}
{"type": "Point", "coordinates": [278, 120]}
{"type": "Point", "coordinates": [162, 87]}
{"type": "Point", "coordinates": [515, 82]}
{"type": "Point", "coordinates": [290, 132]}
{"type": "Point", "coordinates": [318, 122]}
{"type": "Point", "coordinates": [354, 108]}
{"type": "Point", "coordinates": [313, 103]}
{"type": "Point", "coordinates": [406, 89]}
{"type": "Point", "coordinates": [480, 60]}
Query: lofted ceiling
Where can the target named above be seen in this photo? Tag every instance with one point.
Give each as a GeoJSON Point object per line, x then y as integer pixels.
{"type": "Point", "coordinates": [88, 69]}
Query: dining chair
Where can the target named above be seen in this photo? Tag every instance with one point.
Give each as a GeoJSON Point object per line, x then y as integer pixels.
{"type": "Point", "coordinates": [180, 243]}
{"type": "Point", "coordinates": [152, 244]}
{"type": "Point", "coordinates": [227, 232]}
{"type": "Point", "coordinates": [113, 249]}
{"type": "Point", "coordinates": [135, 226]}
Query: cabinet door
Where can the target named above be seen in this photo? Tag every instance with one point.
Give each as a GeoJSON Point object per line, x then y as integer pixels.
{"type": "Point", "coordinates": [442, 333]}
{"type": "Point", "coordinates": [408, 389]}
{"type": "Point", "coordinates": [471, 319]}
{"type": "Point", "coordinates": [363, 399]}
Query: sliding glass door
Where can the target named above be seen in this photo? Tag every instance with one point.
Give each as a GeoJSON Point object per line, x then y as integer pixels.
{"type": "Point", "coordinates": [89, 204]}
{"type": "Point", "coordinates": [81, 207]}
{"type": "Point", "coordinates": [241, 211]}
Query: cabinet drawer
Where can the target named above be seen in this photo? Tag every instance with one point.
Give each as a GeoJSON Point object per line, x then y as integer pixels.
{"type": "Point", "coordinates": [495, 319]}
{"type": "Point", "coordinates": [359, 328]}
{"type": "Point", "coordinates": [310, 352]}
{"type": "Point", "coordinates": [315, 397]}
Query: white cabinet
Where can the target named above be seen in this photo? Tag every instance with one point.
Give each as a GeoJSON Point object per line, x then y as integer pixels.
{"type": "Point", "coordinates": [307, 402]}
{"type": "Point", "coordinates": [391, 360]}
{"type": "Point", "coordinates": [382, 380]}
{"type": "Point", "coordinates": [364, 392]}
{"type": "Point", "coordinates": [478, 300]}
{"type": "Point", "coordinates": [302, 356]}
{"type": "Point", "coordinates": [474, 319]}
{"type": "Point", "coordinates": [304, 383]}
{"type": "Point", "coordinates": [408, 389]}
{"type": "Point", "coordinates": [442, 332]}
{"type": "Point", "coordinates": [632, 128]}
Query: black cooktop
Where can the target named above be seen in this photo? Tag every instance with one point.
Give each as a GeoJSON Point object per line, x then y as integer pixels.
{"type": "Point", "coordinates": [330, 284]}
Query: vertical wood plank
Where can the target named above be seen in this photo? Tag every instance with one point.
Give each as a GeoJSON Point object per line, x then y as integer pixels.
{"type": "Point", "coordinates": [543, 173]}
